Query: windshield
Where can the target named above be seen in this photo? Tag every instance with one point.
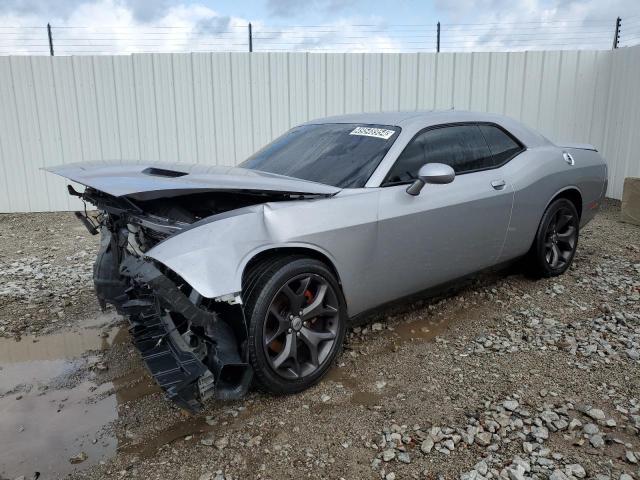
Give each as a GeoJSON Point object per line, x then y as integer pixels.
{"type": "Point", "coordinates": [340, 154]}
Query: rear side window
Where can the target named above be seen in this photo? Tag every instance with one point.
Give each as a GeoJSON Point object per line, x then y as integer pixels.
{"type": "Point", "coordinates": [502, 146]}
{"type": "Point", "coordinates": [463, 147]}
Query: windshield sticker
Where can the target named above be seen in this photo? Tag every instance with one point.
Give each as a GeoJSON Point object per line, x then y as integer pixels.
{"type": "Point", "coordinates": [373, 132]}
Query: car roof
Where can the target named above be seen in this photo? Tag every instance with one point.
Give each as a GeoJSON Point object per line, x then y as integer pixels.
{"type": "Point", "coordinates": [407, 117]}
{"type": "Point", "coordinates": [379, 118]}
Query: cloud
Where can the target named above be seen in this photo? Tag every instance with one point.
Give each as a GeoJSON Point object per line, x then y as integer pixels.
{"type": "Point", "coordinates": [142, 10]}
{"type": "Point", "coordinates": [128, 26]}
{"type": "Point", "coordinates": [341, 37]}
{"type": "Point", "coordinates": [33, 8]}
{"type": "Point", "coordinates": [574, 11]}
{"type": "Point", "coordinates": [148, 10]}
{"type": "Point", "coordinates": [295, 8]}
{"type": "Point", "coordinates": [213, 25]}
{"type": "Point", "coordinates": [116, 27]}
{"type": "Point", "coordinates": [530, 24]}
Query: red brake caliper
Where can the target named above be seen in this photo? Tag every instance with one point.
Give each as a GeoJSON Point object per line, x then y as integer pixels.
{"type": "Point", "coordinates": [309, 296]}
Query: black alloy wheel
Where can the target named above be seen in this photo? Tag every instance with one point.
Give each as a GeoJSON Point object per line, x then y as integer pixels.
{"type": "Point", "coordinates": [297, 322]}
{"type": "Point", "coordinates": [561, 238]}
{"type": "Point", "coordinates": [556, 240]}
{"type": "Point", "coordinates": [301, 326]}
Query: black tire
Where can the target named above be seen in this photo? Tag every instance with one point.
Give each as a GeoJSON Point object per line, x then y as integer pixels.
{"type": "Point", "coordinates": [556, 240]}
{"type": "Point", "coordinates": [272, 289]}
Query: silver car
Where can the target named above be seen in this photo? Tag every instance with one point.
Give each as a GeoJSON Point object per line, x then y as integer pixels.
{"type": "Point", "coordinates": [250, 274]}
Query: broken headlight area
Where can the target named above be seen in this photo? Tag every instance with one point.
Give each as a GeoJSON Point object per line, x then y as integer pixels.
{"type": "Point", "coordinates": [194, 347]}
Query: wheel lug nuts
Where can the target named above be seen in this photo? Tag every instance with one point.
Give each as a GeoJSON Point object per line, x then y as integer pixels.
{"type": "Point", "coordinates": [298, 334]}
{"type": "Point", "coordinates": [289, 331]}
{"type": "Point", "coordinates": [290, 317]}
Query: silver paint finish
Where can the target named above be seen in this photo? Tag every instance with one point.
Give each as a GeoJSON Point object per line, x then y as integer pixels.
{"type": "Point", "coordinates": [383, 243]}
{"type": "Point", "coordinates": [436, 173]}
{"type": "Point", "coordinates": [386, 244]}
{"type": "Point", "coordinates": [132, 181]}
{"type": "Point", "coordinates": [212, 257]}
{"type": "Point", "coordinates": [445, 232]}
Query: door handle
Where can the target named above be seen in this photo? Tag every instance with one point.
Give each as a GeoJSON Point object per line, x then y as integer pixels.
{"type": "Point", "coordinates": [498, 184]}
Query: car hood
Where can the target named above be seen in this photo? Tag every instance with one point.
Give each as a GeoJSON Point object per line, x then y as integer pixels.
{"type": "Point", "coordinates": [148, 181]}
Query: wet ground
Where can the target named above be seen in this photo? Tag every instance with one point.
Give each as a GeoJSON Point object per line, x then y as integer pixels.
{"type": "Point", "coordinates": [58, 412]}
{"type": "Point", "coordinates": [75, 398]}
{"type": "Point", "coordinates": [51, 407]}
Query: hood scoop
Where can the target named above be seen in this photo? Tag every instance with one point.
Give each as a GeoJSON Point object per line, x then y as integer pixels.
{"type": "Point", "coordinates": [163, 172]}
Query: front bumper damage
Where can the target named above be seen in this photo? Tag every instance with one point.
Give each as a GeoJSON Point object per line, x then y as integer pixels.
{"type": "Point", "coordinates": [193, 352]}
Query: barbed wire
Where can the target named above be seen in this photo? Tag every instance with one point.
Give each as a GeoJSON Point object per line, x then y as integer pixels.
{"type": "Point", "coordinates": [446, 37]}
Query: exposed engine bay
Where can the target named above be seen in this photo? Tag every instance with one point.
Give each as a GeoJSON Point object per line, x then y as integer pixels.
{"type": "Point", "coordinates": [193, 346]}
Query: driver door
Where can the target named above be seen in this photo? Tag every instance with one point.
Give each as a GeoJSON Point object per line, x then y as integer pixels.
{"type": "Point", "coordinates": [448, 230]}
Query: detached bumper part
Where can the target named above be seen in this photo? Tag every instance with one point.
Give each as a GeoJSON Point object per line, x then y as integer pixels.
{"type": "Point", "coordinates": [188, 378]}
{"type": "Point", "coordinates": [177, 371]}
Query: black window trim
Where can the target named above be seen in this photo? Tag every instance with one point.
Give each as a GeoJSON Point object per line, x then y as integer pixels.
{"type": "Point", "coordinates": [386, 183]}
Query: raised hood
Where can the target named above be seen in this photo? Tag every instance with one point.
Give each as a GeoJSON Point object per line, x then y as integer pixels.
{"type": "Point", "coordinates": [148, 181]}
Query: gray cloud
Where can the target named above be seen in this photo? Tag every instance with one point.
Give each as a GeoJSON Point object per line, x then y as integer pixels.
{"type": "Point", "coordinates": [148, 10]}
{"type": "Point", "coordinates": [212, 25]}
{"type": "Point", "coordinates": [527, 24]}
{"type": "Point", "coordinates": [41, 8]}
{"type": "Point", "coordinates": [142, 10]}
{"type": "Point", "coordinates": [472, 7]}
{"type": "Point", "coordinates": [525, 9]}
{"type": "Point", "coordinates": [294, 8]}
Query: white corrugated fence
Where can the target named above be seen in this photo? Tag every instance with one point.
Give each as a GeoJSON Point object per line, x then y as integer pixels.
{"type": "Point", "coordinates": [218, 108]}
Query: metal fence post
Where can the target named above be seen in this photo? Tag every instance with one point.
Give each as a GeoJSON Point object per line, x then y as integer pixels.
{"type": "Point", "coordinates": [616, 35]}
{"type": "Point", "coordinates": [438, 39]}
{"type": "Point", "coordinates": [50, 39]}
{"type": "Point", "coordinates": [250, 39]}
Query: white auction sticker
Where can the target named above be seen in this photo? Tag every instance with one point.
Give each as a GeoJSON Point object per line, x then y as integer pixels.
{"type": "Point", "coordinates": [383, 133]}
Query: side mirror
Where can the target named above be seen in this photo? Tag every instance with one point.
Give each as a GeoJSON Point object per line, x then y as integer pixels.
{"type": "Point", "coordinates": [438, 173]}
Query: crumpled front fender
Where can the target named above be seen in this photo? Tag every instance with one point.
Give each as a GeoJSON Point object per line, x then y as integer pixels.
{"type": "Point", "coordinates": [212, 255]}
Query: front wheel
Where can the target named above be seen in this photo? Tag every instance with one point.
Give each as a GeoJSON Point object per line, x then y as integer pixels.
{"type": "Point", "coordinates": [297, 322]}
{"type": "Point", "coordinates": [556, 240]}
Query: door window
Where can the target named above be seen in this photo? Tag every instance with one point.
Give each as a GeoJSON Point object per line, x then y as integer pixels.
{"type": "Point", "coordinates": [463, 147]}
{"type": "Point", "coordinates": [502, 146]}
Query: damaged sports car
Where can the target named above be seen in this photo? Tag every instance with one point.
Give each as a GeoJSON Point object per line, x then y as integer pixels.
{"type": "Point", "coordinates": [233, 276]}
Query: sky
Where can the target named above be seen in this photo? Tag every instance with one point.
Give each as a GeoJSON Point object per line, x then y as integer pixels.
{"type": "Point", "coordinates": [126, 26]}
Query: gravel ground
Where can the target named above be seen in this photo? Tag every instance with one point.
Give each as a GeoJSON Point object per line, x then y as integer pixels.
{"type": "Point", "coordinates": [46, 262]}
{"type": "Point", "coordinates": [505, 378]}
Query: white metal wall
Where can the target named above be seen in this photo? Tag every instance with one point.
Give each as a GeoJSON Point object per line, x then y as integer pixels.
{"type": "Point", "coordinates": [218, 108]}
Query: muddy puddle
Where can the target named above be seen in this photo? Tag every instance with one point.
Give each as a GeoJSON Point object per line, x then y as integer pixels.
{"type": "Point", "coordinates": [192, 428]}
{"type": "Point", "coordinates": [51, 409]}
{"type": "Point", "coordinates": [423, 329]}
{"type": "Point", "coordinates": [226, 414]}
{"type": "Point", "coordinates": [371, 396]}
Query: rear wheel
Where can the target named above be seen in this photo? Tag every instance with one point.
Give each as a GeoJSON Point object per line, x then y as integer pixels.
{"type": "Point", "coordinates": [297, 322]}
{"type": "Point", "coordinates": [556, 240]}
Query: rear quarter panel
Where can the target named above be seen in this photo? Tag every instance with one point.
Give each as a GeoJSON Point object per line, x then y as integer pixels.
{"type": "Point", "coordinates": [537, 176]}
